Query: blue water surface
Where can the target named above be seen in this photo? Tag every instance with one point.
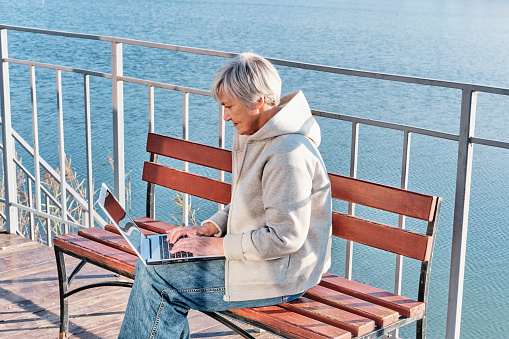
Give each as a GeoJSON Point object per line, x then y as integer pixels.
{"type": "Point", "coordinates": [464, 41]}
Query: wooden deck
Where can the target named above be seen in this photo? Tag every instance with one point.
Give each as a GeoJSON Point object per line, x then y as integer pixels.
{"type": "Point", "coordinates": [29, 305]}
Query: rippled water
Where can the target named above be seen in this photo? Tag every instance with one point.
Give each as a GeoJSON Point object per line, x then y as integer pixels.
{"type": "Point", "coordinates": [452, 40]}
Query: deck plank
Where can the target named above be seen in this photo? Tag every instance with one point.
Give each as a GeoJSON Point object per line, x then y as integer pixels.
{"type": "Point", "coordinates": [10, 240]}
{"type": "Point", "coordinates": [29, 306]}
{"type": "Point", "coordinates": [11, 266]}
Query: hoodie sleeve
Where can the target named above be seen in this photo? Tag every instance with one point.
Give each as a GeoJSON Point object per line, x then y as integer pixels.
{"type": "Point", "coordinates": [220, 220]}
{"type": "Point", "coordinates": [287, 181]}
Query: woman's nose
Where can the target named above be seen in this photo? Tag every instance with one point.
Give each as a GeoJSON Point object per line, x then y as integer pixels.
{"type": "Point", "coordinates": [226, 116]}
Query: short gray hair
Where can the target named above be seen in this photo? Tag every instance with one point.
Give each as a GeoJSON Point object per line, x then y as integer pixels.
{"type": "Point", "coordinates": [247, 78]}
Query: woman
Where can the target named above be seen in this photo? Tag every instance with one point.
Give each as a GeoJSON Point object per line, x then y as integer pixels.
{"type": "Point", "coordinates": [276, 232]}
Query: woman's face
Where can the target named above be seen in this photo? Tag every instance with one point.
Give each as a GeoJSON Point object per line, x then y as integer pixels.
{"type": "Point", "coordinates": [246, 121]}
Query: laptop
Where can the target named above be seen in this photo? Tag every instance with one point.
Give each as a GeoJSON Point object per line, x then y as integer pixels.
{"type": "Point", "coordinates": [152, 249]}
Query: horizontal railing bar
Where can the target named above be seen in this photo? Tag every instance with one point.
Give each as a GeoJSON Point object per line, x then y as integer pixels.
{"type": "Point", "coordinates": [47, 216]}
{"type": "Point", "coordinates": [50, 32]}
{"type": "Point", "coordinates": [389, 125]}
{"type": "Point", "coordinates": [57, 67]}
{"type": "Point", "coordinates": [177, 48]}
{"type": "Point", "coordinates": [281, 62]}
{"type": "Point", "coordinates": [489, 142]}
{"type": "Point", "coordinates": [391, 77]}
{"type": "Point", "coordinates": [164, 85]}
{"type": "Point", "coordinates": [122, 40]}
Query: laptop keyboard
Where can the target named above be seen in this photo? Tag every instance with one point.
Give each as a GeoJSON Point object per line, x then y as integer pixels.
{"type": "Point", "coordinates": [165, 248]}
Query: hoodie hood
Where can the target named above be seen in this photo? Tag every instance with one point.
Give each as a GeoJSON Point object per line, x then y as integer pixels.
{"type": "Point", "coordinates": [294, 118]}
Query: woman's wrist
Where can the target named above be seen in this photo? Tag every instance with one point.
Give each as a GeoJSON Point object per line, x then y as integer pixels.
{"type": "Point", "coordinates": [209, 229]}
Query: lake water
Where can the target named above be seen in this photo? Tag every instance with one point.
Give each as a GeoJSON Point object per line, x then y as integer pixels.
{"type": "Point", "coordinates": [452, 40]}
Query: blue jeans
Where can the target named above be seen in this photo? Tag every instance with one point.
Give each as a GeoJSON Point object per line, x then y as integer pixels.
{"type": "Point", "coordinates": [163, 294]}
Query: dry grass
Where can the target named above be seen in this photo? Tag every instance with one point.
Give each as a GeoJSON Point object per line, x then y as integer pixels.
{"type": "Point", "coordinates": [190, 212]}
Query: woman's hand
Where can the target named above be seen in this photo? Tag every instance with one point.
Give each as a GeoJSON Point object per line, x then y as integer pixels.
{"type": "Point", "coordinates": [199, 245]}
{"type": "Point", "coordinates": [198, 239]}
{"type": "Point", "coordinates": [206, 230]}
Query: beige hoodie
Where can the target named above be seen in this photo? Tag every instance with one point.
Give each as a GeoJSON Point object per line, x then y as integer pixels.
{"type": "Point", "coordinates": [277, 227]}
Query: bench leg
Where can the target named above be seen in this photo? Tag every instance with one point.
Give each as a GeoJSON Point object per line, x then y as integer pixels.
{"type": "Point", "coordinates": [62, 287]}
{"type": "Point", "coordinates": [421, 328]}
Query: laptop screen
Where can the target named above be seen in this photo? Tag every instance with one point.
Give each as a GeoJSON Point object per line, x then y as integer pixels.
{"type": "Point", "coordinates": [123, 220]}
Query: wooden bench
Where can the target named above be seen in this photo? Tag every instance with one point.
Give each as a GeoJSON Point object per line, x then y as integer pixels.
{"type": "Point", "coordinates": [336, 308]}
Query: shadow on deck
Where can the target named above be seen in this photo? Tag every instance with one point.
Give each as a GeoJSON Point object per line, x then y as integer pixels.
{"type": "Point", "coordinates": [29, 305]}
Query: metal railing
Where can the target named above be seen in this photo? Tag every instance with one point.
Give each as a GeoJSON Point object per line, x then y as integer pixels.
{"type": "Point", "coordinates": [465, 140]}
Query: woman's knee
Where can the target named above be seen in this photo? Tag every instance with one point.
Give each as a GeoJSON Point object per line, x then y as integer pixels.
{"type": "Point", "coordinates": [144, 274]}
{"type": "Point", "coordinates": [154, 276]}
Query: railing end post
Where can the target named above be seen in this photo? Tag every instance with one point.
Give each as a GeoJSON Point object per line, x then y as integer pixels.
{"type": "Point", "coordinates": [118, 120]}
{"type": "Point", "coordinates": [461, 210]}
{"type": "Point", "coordinates": [9, 169]}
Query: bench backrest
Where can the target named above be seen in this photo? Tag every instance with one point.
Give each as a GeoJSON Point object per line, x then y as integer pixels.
{"type": "Point", "coordinates": [403, 202]}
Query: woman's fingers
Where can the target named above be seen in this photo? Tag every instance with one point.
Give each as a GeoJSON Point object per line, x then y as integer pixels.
{"type": "Point", "coordinates": [199, 245]}
{"type": "Point", "coordinates": [175, 234]}
{"type": "Point", "coordinates": [190, 231]}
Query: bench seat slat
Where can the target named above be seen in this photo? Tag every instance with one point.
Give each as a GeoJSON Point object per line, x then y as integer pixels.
{"type": "Point", "coordinates": [407, 243]}
{"type": "Point", "coordinates": [387, 198]}
{"type": "Point", "coordinates": [189, 151]}
{"type": "Point", "coordinates": [113, 229]}
{"type": "Point", "coordinates": [111, 236]}
{"type": "Point", "coordinates": [290, 324]}
{"type": "Point", "coordinates": [154, 225]}
{"type": "Point", "coordinates": [351, 322]}
{"type": "Point", "coordinates": [99, 254]}
{"type": "Point", "coordinates": [197, 185]}
{"type": "Point", "coordinates": [107, 238]}
{"type": "Point", "coordinates": [146, 226]}
{"type": "Point", "coordinates": [381, 315]}
{"type": "Point", "coordinates": [406, 307]}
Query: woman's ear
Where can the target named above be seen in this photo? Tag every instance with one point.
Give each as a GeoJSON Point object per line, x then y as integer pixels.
{"type": "Point", "coordinates": [260, 103]}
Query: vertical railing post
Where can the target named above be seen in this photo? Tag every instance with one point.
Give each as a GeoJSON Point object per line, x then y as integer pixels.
{"type": "Point", "coordinates": [405, 162]}
{"type": "Point", "coordinates": [151, 196]}
{"type": "Point", "coordinates": [9, 169]}
{"type": "Point", "coordinates": [461, 208]}
{"type": "Point", "coordinates": [88, 137]}
{"type": "Point", "coordinates": [48, 220]}
{"type": "Point", "coordinates": [185, 136]}
{"type": "Point", "coordinates": [398, 277]}
{"type": "Point", "coordinates": [35, 132]}
{"type": "Point", "coordinates": [221, 142]}
{"type": "Point", "coordinates": [61, 152]}
{"type": "Point", "coordinates": [31, 205]}
{"type": "Point", "coordinates": [117, 87]}
{"type": "Point", "coordinates": [351, 207]}
{"type": "Point", "coordinates": [151, 113]}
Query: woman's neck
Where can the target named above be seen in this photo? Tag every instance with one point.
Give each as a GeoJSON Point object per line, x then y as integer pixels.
{"type": "Point", "coordinates": [266, 113]}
